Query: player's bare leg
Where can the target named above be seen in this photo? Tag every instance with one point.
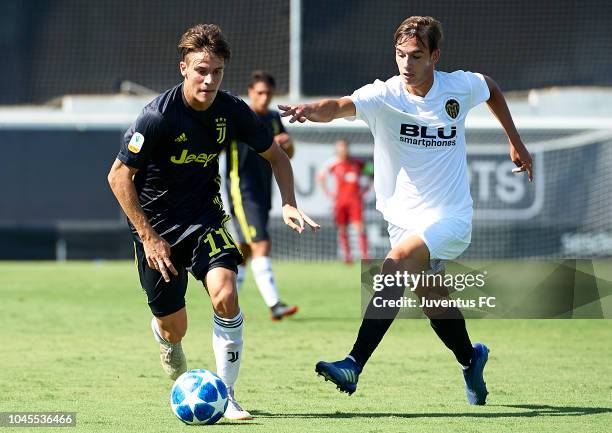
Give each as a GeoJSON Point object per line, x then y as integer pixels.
{"type": "Point", "coordinates": [363, 240]}
{"type": "Point", "coordinates": [344, 243]}
{"type": "Point", "coordinates": [227, 334]}
{"type": "Point", "coordinates": [169, 331]}
{"type": "Point", "coordinates": [264, 278]}
{"type": "Point", "coordinates": [245, 249]}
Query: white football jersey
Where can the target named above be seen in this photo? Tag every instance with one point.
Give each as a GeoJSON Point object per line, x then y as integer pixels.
{"type": "Point", "coordinates": [420, 167]}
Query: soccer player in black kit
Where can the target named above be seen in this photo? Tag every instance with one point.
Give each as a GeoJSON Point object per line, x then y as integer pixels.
{"type": "Point", "coordinates": [249, 186]}
{"type": "Point", "coordinates": [166, 179]}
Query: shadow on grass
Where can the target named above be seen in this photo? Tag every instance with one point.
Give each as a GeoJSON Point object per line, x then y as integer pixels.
{"type": "Point", "coordinates": [233, 424]}
{"type": "Point", "coordinates": [322, 319]}
{"type": "Point", "coordinates": [529, 410]}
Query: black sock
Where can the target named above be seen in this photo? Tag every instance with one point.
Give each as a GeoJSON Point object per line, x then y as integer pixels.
{"type": "Point", "coordinates": [371, 332]}
{"type": "Point", "coordinates": [376, 320]}
{"type": "Point", "coordinates": [451, 329]}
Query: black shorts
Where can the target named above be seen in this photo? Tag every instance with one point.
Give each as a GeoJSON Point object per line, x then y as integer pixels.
{"type": "Point", "coordinates": [198, 253]}
{"type": "Point", "coordinates": [251, 221]}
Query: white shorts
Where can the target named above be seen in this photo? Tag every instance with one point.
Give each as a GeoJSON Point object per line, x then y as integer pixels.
{"type": "Point", "coordinates": [446, 239]}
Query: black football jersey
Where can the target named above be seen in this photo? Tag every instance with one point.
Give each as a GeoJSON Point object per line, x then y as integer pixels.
{"type": "Point", "coordinates": [176, 150]}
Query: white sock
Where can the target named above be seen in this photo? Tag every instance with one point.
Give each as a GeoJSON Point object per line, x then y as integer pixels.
{"type": "Point", "coordinates": [227, 345]}
{"type": "Point", "coordinates": [157, 333]}
{"type": "Point", "coordinates": [262, 270]}
{"type": "Point", "coordinates": [240, 276]}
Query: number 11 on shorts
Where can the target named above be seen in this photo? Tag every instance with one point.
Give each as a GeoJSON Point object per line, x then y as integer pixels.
{"type": "Point", "coordinates": [226, 238]}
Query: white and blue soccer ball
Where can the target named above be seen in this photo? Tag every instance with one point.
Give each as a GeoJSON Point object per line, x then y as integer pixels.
{"type": "Point", "coordinates": [198, 397]}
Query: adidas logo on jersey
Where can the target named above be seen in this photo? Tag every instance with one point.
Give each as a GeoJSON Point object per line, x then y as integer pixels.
{"type": "Point", "coordinates": [181, 138]}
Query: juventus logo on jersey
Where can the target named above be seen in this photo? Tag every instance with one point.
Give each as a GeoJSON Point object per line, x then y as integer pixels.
{"type": "Point", "coordinates": [452, 108]}
{"type": "Point", "coordinates": [233, 356]}
{"type": "Point", "coordinates": [221, 126]}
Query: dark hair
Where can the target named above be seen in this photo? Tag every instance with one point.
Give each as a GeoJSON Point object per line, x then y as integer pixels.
{"type": "Point", "coordinates": [423, 28]}
{"type": "Point", "coordinates": [262, 77]}
{"type": "Point", "coordinates": [204, 37]}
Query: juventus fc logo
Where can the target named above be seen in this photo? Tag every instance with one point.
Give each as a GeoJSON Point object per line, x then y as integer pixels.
{"type": "Point", "coordinates": [452, 108]}
{"type": "Point", "coordinates": [221, 126]}
{"type": "Point", "coordinates": [233, 356]}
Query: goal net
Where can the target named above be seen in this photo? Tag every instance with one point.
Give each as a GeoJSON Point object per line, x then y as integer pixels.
{"type": "Point", "coordinates": [564, 213]}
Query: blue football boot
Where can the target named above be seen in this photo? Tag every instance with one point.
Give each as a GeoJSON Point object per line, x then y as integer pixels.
{"type": "Point", "coordinates": [343, 373]}
{"type": "Point", "coordinates": [475, 386]}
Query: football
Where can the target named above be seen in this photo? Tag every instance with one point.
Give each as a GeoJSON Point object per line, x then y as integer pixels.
{"type": "Point", "coordinates": [198, 397]}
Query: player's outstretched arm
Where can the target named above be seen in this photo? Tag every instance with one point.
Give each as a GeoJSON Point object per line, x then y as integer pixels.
{"type": "Point", "coordinates": [157, 250]}
{"type": "Point", "coordinates": [283, 173]}
{"type": "Point", "coordinates": [325, 110]}
{"type": "Point", "coordinates": [518, 152]}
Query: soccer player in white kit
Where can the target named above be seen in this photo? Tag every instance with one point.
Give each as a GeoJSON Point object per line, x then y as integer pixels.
{"type": "Point", "coordinates": [417, 119]}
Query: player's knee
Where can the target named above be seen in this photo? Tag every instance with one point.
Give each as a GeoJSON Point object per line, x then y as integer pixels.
{"type": "Point", "coordinates": [402, 261]}
{"type": "Point", "coordinates": [225, 302]}
{"type": "Point", "coordinates": [173, 332]}
{"type": "Point", "coordinates": [413, 254]}
{"type": "Point", "coordinates": [260, 248]}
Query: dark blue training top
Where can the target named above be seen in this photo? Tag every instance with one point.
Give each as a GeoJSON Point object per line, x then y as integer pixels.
{"type": "Point", "coordinates": [176, 150]}
{"type": "Point", "coordinates": [252, 172]}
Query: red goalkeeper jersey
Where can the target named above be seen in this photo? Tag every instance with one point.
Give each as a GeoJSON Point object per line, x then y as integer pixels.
{"type": "Point", "coordinates": [347, 174]}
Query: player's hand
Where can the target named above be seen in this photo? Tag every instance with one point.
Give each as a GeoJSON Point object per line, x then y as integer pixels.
{"type": "Point", "coordinates": [284, 141]}
{"type": "Point", "coordinates": [522, 159]}
{"type": "Point", "coordinates": [298, 113]}
{"type": "Point", "coordinates": [157, 252]}
{"type": "Point", "coordinates": [296, 219]}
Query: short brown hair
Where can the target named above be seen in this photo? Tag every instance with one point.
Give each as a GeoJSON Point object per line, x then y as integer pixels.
{"type": "Point", "coordinates": [423, 28]}
{"type": "Point", "coordinates": [262, 77]}
{"type": "Point", "coordinates": [204, 37]}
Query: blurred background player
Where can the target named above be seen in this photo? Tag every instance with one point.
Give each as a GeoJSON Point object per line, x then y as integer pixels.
{"type": "Point", "coordinates": [249, 183]}
{"type": "Point", "coordinates": [348, 197]}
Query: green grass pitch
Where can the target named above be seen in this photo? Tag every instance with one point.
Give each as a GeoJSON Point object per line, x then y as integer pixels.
{"type": "Point", "coordinates": [76, 337]}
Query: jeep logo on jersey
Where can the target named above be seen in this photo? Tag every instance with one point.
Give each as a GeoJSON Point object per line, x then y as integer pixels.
{"type": "Point", "coordinates": [452, 108]}
{"type": "Point", "coordinates": [186, 158]}
{"type": "Point", "coordinates": [409, 130]}
{"type": "Point", "coordinates": [221, 126]}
